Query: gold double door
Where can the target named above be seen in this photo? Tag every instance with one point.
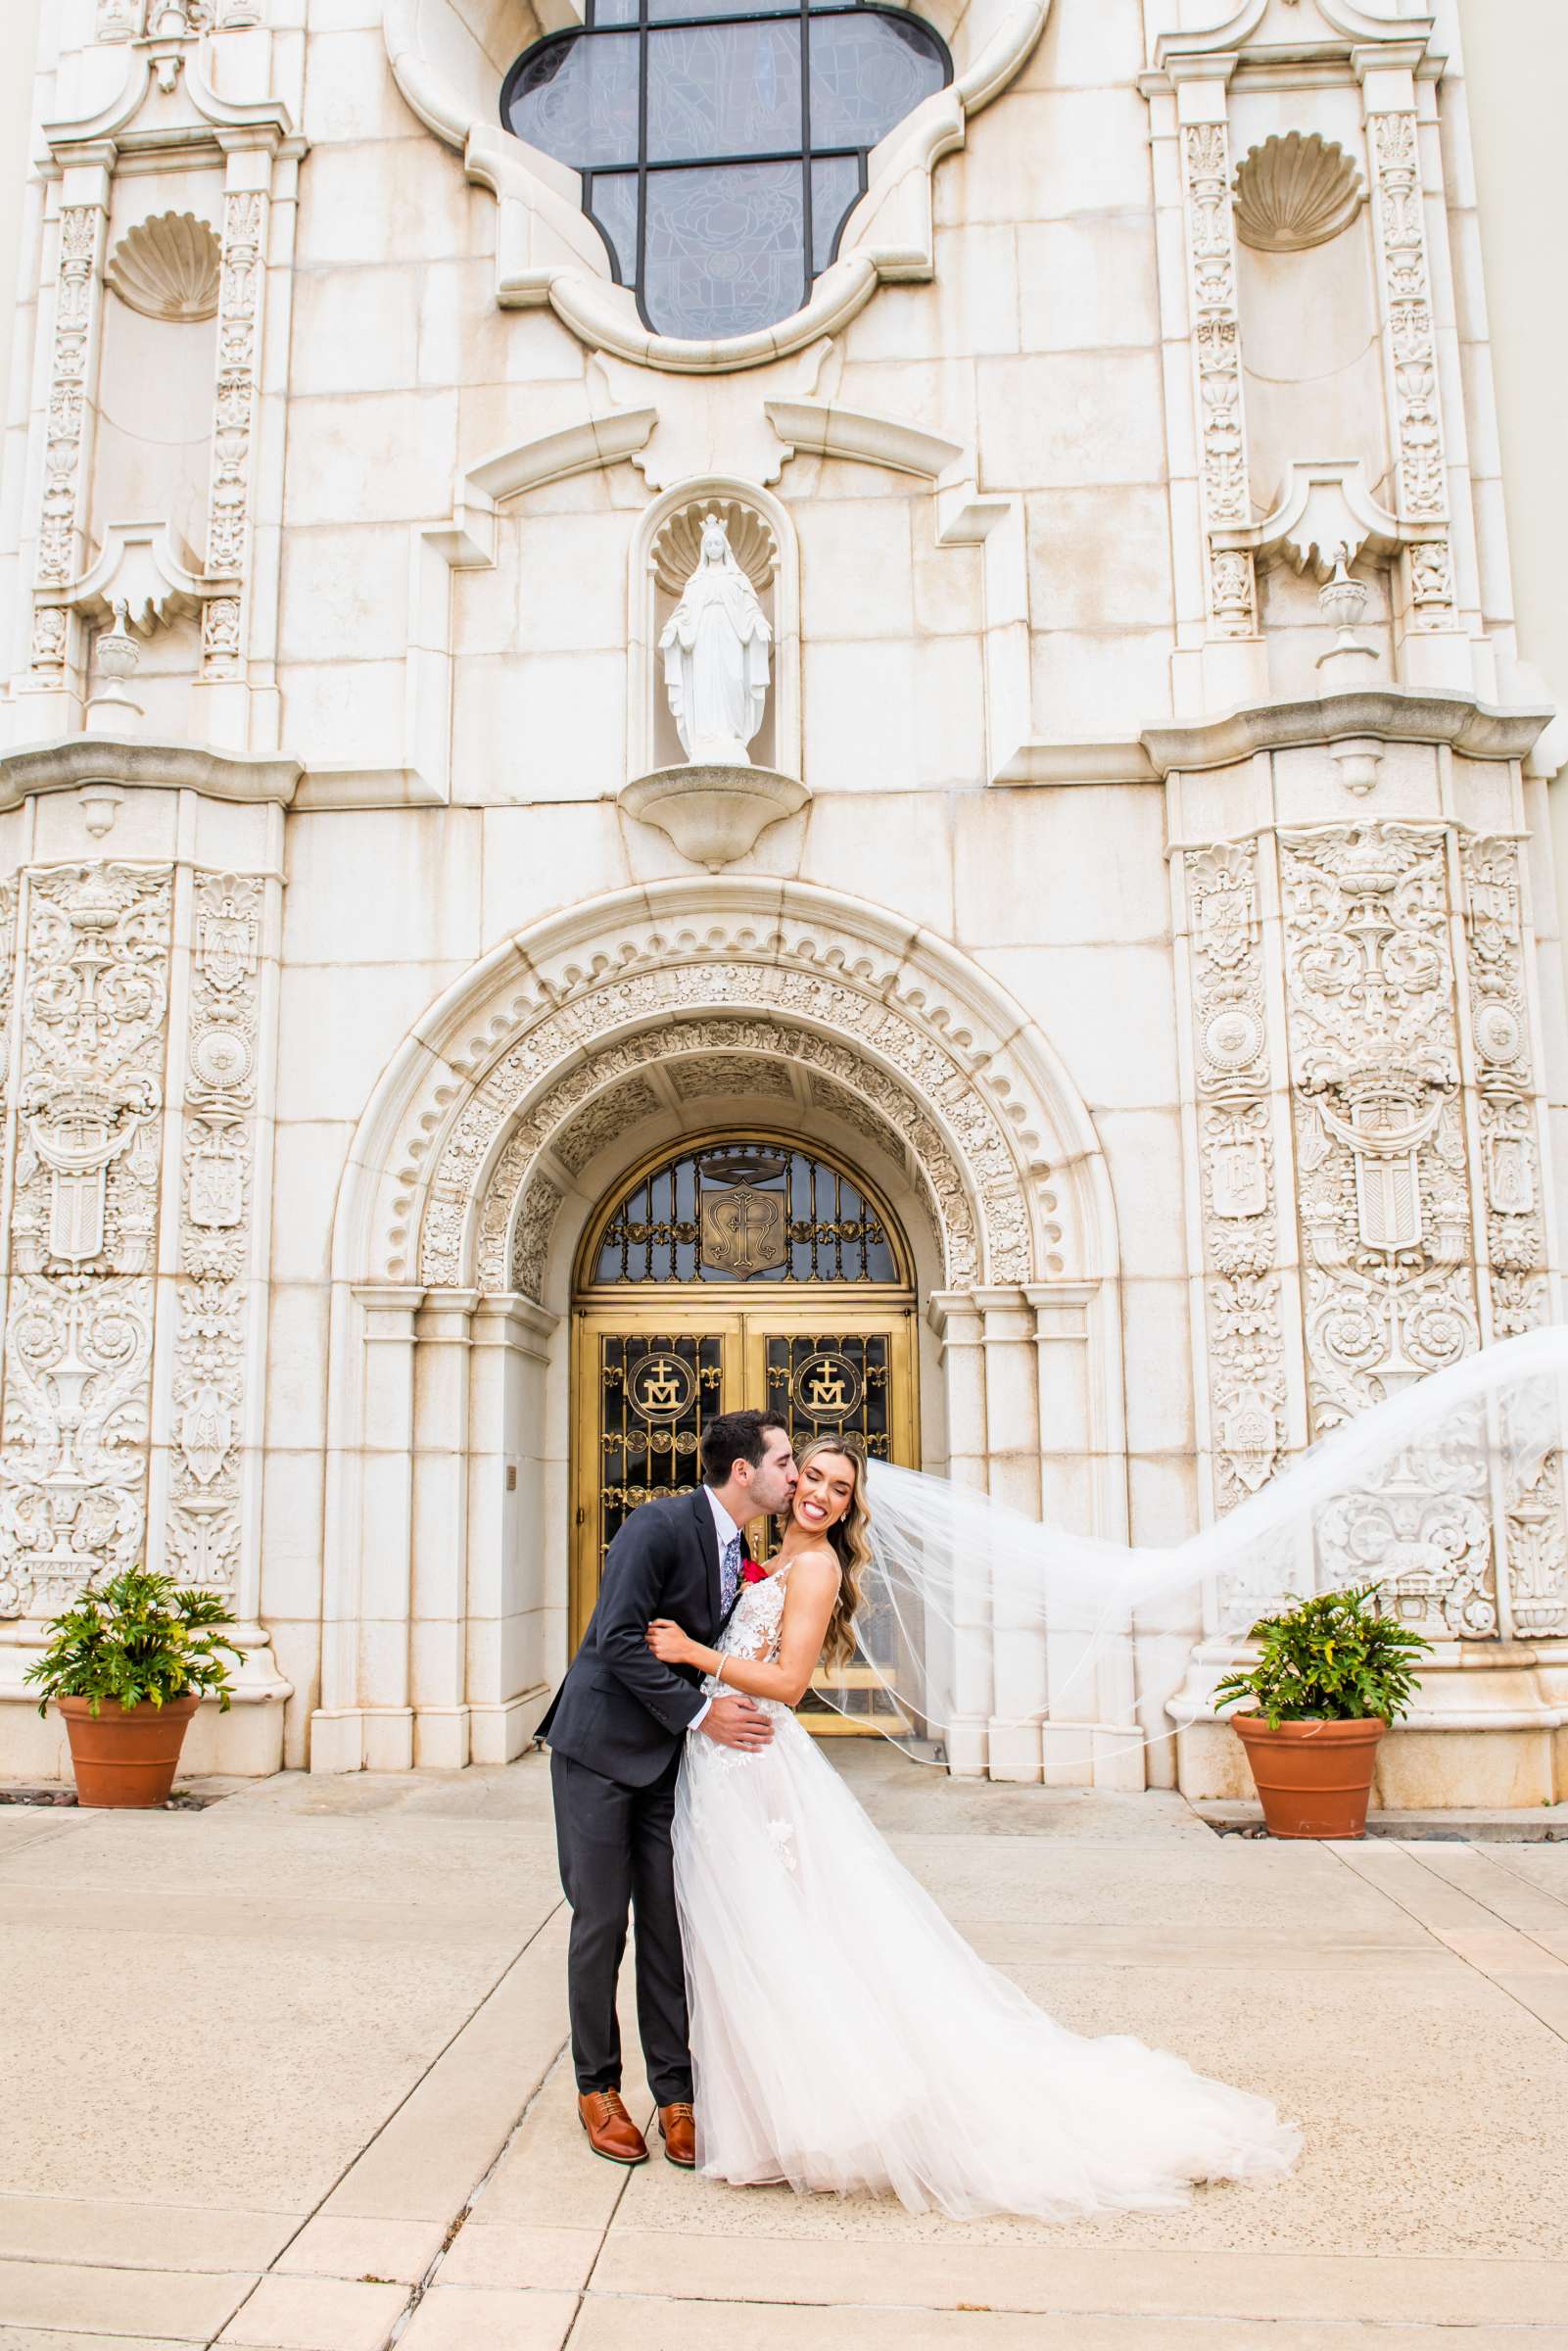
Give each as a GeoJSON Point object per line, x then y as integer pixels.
{"type": "Point", "coordinates": [650, 1376]}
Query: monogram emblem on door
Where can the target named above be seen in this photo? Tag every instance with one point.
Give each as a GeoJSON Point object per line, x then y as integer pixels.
{"type": "Point", "coordinates": [743, 1230]}
{"type": "Point", "coordinates": [827, 1387]}
{"type": "Point", "coordinates": [661, 1387]}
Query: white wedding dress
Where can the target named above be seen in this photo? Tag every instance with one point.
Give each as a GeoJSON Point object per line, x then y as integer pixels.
{"type": "Point", "coordinates": [844, 2036]}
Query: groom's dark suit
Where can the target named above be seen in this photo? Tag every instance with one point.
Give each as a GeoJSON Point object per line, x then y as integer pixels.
{"type": "Point", "coordinates": [615, 1729]}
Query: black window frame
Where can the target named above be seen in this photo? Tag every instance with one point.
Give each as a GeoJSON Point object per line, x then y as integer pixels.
{"type": "Point", "coordinates": [804, 155]}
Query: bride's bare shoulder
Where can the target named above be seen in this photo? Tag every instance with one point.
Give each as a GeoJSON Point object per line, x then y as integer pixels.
{"type": "Point", "coordinates": [821, 1562]}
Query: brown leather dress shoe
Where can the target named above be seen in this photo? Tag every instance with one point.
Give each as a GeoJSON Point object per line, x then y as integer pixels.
{"type": "Point", "coordinates": [611, 2131]}
{"type": "Point", "coordinates": [677, 2128]}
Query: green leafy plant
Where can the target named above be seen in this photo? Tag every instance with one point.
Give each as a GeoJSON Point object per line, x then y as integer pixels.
{"type": "Point", "coordinates": [1335, 1659]}
{"type": "Point", "coordinates": [138, 1639]}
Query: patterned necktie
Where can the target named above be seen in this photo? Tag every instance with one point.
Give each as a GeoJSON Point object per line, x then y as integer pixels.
{"type": "Point", "coordinates": [729, 1575]}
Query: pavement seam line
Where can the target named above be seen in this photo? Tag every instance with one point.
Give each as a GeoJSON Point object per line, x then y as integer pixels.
{"type": "Point", "coordinates": [1369, 1878]}
{"type": "Point", "coordinates": [387, 2120]}
{"type": "Point", "coordinates": [1529, 1934]}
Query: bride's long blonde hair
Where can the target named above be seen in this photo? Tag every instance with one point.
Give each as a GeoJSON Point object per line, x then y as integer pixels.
{"type": "Point", "coordinates": [851, 1538]}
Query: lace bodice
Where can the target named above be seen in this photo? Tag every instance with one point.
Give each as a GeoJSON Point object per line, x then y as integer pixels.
{"type": "Point", "coordinates": [753, 1628]}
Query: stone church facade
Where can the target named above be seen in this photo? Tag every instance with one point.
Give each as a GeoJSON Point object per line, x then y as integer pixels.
{"type": "Point", "coordinates": [1098, 1034]}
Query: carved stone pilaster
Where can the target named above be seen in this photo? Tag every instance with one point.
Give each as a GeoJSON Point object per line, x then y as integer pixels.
{"type": "Point", "coordinates": [239, 338]}
{"type": "Point", "coordinates": [94, 993]}
{"type": "Point", "coordinates": [1411, 363]}
{"type": "Point", "coordinates": [1244, 1313]}
{"type": "Point", "coordinates": [78, 291]}
{"type": "Point", "coordinates": [205, 1518]}
{"type": "Point", "coordinates": [1232, 585]}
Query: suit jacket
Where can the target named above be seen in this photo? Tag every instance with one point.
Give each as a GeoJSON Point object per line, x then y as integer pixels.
{"type": "Point", "coordinates": [619, 1711]}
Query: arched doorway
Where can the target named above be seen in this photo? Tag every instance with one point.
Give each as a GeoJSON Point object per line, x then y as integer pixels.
{"type": "Point", "coordinates": [740, 1270]}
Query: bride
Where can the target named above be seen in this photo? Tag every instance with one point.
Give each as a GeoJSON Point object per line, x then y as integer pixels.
{"type": "Point", "coordinates": [844, 2034]}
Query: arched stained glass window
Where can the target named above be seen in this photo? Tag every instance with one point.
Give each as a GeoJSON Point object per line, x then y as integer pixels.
{"type": "Point", "coordinates": [722, 149]}
{"type": "Point", "coordinates": [745, 1211]}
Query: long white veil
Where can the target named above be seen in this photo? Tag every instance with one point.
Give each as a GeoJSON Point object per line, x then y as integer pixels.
{"type": "Point", "coordinates": [1448, 1494]}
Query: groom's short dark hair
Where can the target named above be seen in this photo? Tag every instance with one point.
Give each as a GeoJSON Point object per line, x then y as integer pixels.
{"type": "Point", "coordinates": [731, 1437]}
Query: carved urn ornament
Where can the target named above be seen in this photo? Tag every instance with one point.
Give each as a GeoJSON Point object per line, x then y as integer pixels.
{"type": "Point", "coordinates": [715, 653]}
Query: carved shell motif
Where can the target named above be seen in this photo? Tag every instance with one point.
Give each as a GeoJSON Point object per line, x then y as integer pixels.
{"type": "Point", "coordinates": [1295, 192]}
{"type": "Point", "coordinates": [679, 544]}
{"type": "Point", "coordinates": [168, 267]}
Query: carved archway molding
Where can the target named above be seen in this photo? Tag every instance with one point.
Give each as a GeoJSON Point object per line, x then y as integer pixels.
{"type": "Point", "coordinates": [888, 1012]}
{"type": "Point", "coordinates": [595, 1105]}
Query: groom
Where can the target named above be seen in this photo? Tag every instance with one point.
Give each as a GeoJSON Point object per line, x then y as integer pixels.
{"type": "Point", "coordinates": [616, 1729]}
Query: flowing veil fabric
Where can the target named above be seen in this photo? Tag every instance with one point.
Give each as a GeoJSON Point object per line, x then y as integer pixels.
{"type": "Point", "coordinates": [1449, 1494]}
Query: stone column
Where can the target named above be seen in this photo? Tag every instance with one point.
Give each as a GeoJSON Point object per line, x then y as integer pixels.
{"type": "Point", "coordinates": [509, 1606]}
{"type": "Point", "coordinates": [1012, 1460]}
{"type": "Point", "coordinates": [954, 1316]}
{"type": "Point", "coordinates": [438, 1612]}
{"type": "Point", "coordinates": [381, 1695]}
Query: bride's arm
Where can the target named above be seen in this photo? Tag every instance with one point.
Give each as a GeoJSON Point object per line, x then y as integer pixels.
{"type": "Point", "coordinates": [807, 1612]}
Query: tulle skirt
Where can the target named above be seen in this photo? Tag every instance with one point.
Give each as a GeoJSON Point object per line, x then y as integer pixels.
{"type": "Point", "coordinates": [844, 2036]}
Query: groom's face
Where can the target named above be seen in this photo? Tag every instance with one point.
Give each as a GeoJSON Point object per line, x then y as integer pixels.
{"type": "Point", "coordinates": [772, 1481]}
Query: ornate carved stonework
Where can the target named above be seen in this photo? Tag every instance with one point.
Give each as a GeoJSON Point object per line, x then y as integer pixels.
{"type": "Point", "coordinates": [84, 1204]}
{"type": "Point", "coordinates": [1217, 352]}
{"type": "Point", "coordinates": [1245, 1366]}
{"type": "Point", "coordinates": [939, 1102]}
{"type": "Point", "coordinates": [1383, 1184]}
{"type": "Point", "coordinates": [1420, 472]}
{"type": "Point", "coordinates": [536, 1220]}
{"type": "Point", "coordinates": [234, 418]}
{"type": "Point", "coordinates": [217, 1180]}
{"type": "Point", "coordinates": [76, 294]}
{"type": "Point", "coordinates": [590, 1106]}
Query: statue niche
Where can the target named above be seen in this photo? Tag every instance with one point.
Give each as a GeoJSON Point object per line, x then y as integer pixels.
{"type": "Point", "coordinates": [714, 667]}
{"type": "Point", "coordinates": [716, 646]}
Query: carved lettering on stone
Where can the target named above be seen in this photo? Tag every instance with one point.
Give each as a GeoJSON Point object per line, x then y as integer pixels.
{"type": "Point", "coordinates": [216, 1198]}
{"type": "Point", "coordinates": [1242, 1304]}
{"type": "Point", "coordinates": [92, 1007]}
{"type": "Point", "coordinates": [1217, 358]}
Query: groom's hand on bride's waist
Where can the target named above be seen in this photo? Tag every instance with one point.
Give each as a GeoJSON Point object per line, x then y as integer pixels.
{"type": "Point", "coordinates": [735, 1723]}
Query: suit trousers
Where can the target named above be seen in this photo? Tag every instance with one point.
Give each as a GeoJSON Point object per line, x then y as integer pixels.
{"type": "Point", "coordinates": [615, 1851]}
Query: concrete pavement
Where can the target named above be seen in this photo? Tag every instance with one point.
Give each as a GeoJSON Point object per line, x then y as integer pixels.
{"type": "Point", "coordinates": [287, 2073]}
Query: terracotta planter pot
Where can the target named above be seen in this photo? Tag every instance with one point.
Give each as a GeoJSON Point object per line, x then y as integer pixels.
{"type": "Point", "coordinates": [125, 1760]}
{"type": "Point", "coordinates": [1315, 1778]}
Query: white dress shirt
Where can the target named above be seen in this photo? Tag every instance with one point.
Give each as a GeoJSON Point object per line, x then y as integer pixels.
{"type": "Point", "coordinates": [727, 1531]}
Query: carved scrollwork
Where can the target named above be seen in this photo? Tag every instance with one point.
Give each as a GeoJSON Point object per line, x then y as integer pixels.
{"type": "Point", "coordinates": [239, 317]}
{"type": "Point", "coordinates": [76, 299]}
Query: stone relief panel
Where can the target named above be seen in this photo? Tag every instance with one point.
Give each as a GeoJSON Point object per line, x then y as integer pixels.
{"type": "Point", "coordinates": [93, 1014]}
{"type": "Point", "coordinates": [1242, 1293]}
{"type": "Point", "coordinates": [217, 1195]}
{"type": "Point", "coordinates": [1384, 1192]}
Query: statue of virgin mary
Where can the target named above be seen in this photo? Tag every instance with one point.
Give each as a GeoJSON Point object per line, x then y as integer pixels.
{"type": "Point", "coordinates": [715, 649]}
